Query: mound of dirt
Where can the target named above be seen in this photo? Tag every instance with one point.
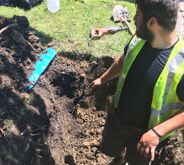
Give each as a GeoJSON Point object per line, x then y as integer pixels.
{"type": "Point", "coordinates": [59, 121]}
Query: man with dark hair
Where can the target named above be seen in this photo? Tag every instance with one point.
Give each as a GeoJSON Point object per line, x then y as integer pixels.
{"type": "Point", "coordinates": [149, 101]}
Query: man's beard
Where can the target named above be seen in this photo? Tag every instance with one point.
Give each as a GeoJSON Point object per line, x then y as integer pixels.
{"type": "Point", "coordinates": [144, 33]}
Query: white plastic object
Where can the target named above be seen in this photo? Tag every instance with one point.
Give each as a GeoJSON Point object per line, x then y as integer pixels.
{"type": "Point", "coordinates": [53, 5]}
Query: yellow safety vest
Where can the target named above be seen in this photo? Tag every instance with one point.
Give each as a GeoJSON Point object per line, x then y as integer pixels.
{"type": "Point", "coordinates": [165, 101]}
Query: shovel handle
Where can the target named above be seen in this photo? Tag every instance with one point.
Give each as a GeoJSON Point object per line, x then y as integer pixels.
{"type": "Point", "coordinates": [129, 26]}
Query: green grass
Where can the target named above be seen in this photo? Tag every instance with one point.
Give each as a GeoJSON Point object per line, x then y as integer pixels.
{"type": "Point", "coordinates": [9, 123]}
{"type": "Point", "coordinates": [80, 18]}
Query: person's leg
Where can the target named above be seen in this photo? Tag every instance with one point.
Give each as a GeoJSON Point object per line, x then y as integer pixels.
{"type": "Point", "coordinates": [132, 156]}
{"type": "Point", "coordinates": [116, 137]}
{"type": "Point", "coordinates": [113, 144]}
{"type": "Point", "coordinates": [120, 159]}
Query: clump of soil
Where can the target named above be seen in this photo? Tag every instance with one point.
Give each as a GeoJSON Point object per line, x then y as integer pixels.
{"type": "Point", "coordinates": [59, 121]}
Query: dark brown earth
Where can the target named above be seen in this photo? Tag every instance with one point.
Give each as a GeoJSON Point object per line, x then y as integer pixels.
{"type": "Point", "coordinates": [59, 121]}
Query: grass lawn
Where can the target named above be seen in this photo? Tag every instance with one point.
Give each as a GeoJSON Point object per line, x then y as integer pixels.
{"type": "Point", "coordinates": [75, 19]}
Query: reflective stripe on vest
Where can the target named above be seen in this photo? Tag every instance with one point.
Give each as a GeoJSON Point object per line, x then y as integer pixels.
{"type": "Point", "coordinates": [174, 68]}
{"type": "Point", "coordinates": [165, 101]}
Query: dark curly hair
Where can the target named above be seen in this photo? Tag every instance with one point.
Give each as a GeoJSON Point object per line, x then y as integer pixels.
{"type": "Point", "coordinates": [165, 11]}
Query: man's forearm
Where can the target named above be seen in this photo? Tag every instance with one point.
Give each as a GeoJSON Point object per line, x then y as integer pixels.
{"type": "Point", "coordinates": [150, 140]}
{"type": "Point", "coordinates": [114, 71]}
{"type": "Point", "coordinates": [172, 124]}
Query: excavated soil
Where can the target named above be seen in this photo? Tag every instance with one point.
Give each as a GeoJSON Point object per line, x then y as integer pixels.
{"type": "Point", "coordinates": [59, 121]}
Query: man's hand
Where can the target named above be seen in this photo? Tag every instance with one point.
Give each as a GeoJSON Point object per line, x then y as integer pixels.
{"type": "Point", "coordinates": [149, 141]}
{"type": "Point", "coordinates": [147, 144]}
{"type": "Point", "coordinates": [96, 84]}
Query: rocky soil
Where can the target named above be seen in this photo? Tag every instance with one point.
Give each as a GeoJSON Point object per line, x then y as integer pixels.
{"type": "Point", "coordinates": [59, 121]}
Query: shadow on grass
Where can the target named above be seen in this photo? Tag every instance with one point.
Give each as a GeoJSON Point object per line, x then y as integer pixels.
{"type": "Point", "coordinates": [131, 1]}
{"type": "Point", "coordinates": [22, 4]}
{"type": "Point", "coordinates": [45, 39]}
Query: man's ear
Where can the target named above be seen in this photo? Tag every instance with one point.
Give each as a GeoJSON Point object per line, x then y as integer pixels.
{"type": "Point", "coordinates": [152, 22]}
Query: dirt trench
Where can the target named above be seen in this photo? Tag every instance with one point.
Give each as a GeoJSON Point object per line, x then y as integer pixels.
{"type": "Point", "coordinates": [59, 121]}
{"type": "Point", "coordinates": [77, 116]}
